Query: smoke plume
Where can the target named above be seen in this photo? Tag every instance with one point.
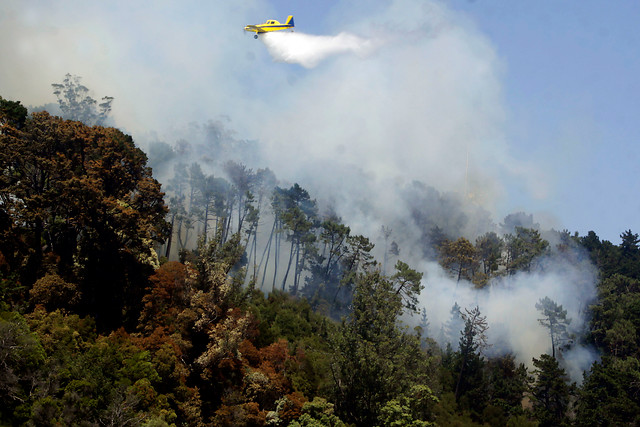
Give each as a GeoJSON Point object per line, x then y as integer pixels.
{"type": "Point", "coordinates": [509, 305]}
{"type": "Point", "coordinates": [366, 133]}
{"type": "Point", "coordinates": [309, 50]}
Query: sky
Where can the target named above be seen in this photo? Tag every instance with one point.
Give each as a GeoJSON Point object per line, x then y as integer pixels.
{"type": "Point", "coordinates": [521, 106]}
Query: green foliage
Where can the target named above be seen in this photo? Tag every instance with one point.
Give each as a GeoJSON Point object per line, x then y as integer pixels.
{"type": "Point", "coordinates": [459, 258]}
{"type": "Point", "coordinates": [415, 409]}
{"type": "Point", "coordinates": [408, 285]}
{"type": "Point", "coordinates": [81, 217]}
{"type": "Point", "coordinates": [21, 358]}
{"type": "Point", "coordinates": [507, 384]}
{"type": "Point", "coordinates": [470, 388]}
{"type": "Point", "coordinates": [523, 248]}
{"type": "Point", "coordinates": [489, 250]}
{"type": "Point", "coordinates": [550, 392]}
{"type": "Point", "coordinates": [281, 315]}
{"type": "Point", "coordinates": [12, 113]}
{"type": "Point", "coordinates": [373, 359]}
{"type": "Point", "coordinates": [554, 318]}
{"type": "Point", "coordinates": [610, 393]}
{"type": "Point", "coordinates": [616, 316]}
{"type": "Point", "coordinates": [317, 413]}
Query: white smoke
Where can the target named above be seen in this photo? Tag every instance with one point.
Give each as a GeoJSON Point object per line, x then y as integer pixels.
{"type": "Point", "coordinates": [309, 50]}
{"type": "Point", "coordinates": [509, 306]}
{"type": "Point", "coordinates": [426, 105]}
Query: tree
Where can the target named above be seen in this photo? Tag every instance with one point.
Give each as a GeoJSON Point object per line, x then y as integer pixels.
{"type": "Point", "coordinates": [213, 200]}
{"type": "Point", "coordinates": [278, 206]}
{"type": "Point", "coordinates": [12, 113]}
{"type": "Point", "coordinates": [169, 293]}
{"type": "Point", "coordinates": [415, 409]}
{"type": "Point", "coordinates": [334, 237]}
{"type": "Point", "coordinates": [374, 361]}
{"type": "Point", "coordinates": [460, 258]}
{"type": "Point", "coordinates": [629, 244]}
{"type": "Point", "coordinates": [407, 283]}
{"type": "Point", "coordinates": [454, 326]}
{"type": "Point", "coordinates": [84, 201]}
{"type": "Point", "coordinates": [609, 394]}
{"type": "Point", "coordinates": [21, 355]}
{"type": "Point", "coordinates": [242, 182]}
{"type": "Point", "coordinates": [326, 267]}
{"type": "Point", "coordinates": [470, 382]}
{"type": "Point", "coordinates": [53, 292]}
{"type": "Point", "coordinates": [554, 318]}
{"type": "Point", "coordinates": [615, 316]}
{"type": "Point", "coordinates": [264, 183]}
{"type": "Point", "coordinates": [522, 249]}
{"type": "Point", "coordinates": [317, 413]}
{"type": "Point", "coordinates": [550, 392]}
{"type": "Point", "coordinates": [630, 254]}
{"type": "Point", "coordinates": [76, 104]}
{"type": "Point", "coordinates": [298, 219]}
{"type": "Point", "coordinates": [489, 251]}
{"type": "Point", "coordinates": [507, 384]}
{"type": "Point", "coordinates": [386, 233]}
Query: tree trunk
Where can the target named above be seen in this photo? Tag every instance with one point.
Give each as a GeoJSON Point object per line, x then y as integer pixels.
{"type": "Point", "coordinates": [267, 251]}
{"type": "Point", "coordinates": [168, 251]}
{"type": "Point", "coordinates": [286, 274]}
{"type": "Point", "coordinates": [206, 221]}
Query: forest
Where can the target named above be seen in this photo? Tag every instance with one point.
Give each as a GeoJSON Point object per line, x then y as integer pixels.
{"type": "Point", "coordinates": [235, 299]}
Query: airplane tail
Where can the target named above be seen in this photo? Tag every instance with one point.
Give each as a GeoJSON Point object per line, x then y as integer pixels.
{"type": "Point", "coordinates": [290, 20]}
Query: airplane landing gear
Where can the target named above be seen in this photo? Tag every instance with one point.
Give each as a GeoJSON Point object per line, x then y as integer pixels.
{"type": "Point", "coordinates": [255, 36]}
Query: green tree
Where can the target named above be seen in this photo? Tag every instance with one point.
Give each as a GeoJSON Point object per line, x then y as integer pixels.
{"type": "Point", "coordinates": [326, 267]}
{"type": "Point", "coordinates": [522, 249]}
{"type": "Point", "coordinates": [454, 326]}
{"type": "Point", "coordinates": [507, 384]}
{"type": "Point", "coordinates": [318, 413]}
{"type": "Point", "coordinates": [243, 181]}
{"type": "Point", "coordinates": [357, 259]}
{"type": "Point", "coordinates": [470, 389]}
{"type": "Point", "coordinates": [374, 360]}
{"type": "Point", "coordinates": [459, 258]}
{"type": "Point", "coordinates": [298, 218]}
{"type": "Point", "coordinates": [407, 283]}
{"type": "Point", "coordinates": [609, 393]}
{"type": "Point", "coordinates": [21, 358]}
{"type": "Point", "coordinates": [517, 220]}
{"type": "Point", "coordinates": [616, 314]}
{"type": "Point", "coordinates": [550, 392]}
{"type": "Point", "coordinates": [554, 318]}
{"type": "Point", "coordinates": [415, 409]}
{"type": "Point", "coordinates": [489, 249]}
{"type": "Point", "coordinates": [630, 254]}
{"type": "Point", "coordinates": [12, 113]}
{"type": "Point", "coordinates": [604, 254]}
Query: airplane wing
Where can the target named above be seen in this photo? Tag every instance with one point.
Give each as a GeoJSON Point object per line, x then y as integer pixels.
{"type": "Point", "coordinates": [254, 28]}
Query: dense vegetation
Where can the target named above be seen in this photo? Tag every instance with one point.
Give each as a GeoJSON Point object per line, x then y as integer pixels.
{"type": "Point", "coordinates": [303, 330]}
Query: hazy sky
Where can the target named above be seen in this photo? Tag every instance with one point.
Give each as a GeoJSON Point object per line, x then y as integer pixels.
{"type": "Point", "coordinates": [572, 93]}
{"type": "Point", "coordinates": [528, 105]}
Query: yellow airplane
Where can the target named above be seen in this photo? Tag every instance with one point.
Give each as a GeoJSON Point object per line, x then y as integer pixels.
{"type": "Point", "coordinates": [270, 25]}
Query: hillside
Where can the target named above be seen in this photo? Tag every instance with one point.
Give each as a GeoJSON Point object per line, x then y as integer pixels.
{"type": "Point", "coordinates": [224, 296]}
